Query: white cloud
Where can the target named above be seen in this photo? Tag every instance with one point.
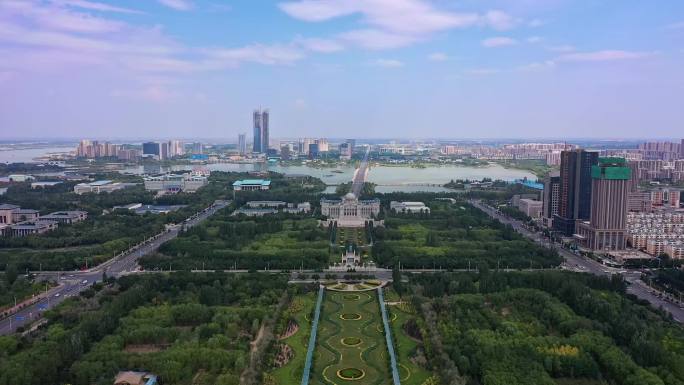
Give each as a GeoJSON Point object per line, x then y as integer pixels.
{"type": "Point", "coordinates": [602, 56]}
{"type": "Point", "coordinates": [534, 39]}
{"type": "Point", "coordinates": [393, 23]}
{"type": "Point", "coordinates": [399, 16]}
{"type": "Point", "coordinates": [561, 48]}
{"type": "Point", "coordinates": [438, 56]}
{"type": "Point", "coordinates": [534, 23]}
{"type": "Point", "coordinates": [376, 39]}
{"type": "Point", "coordinates": [58, 18]}
{"type": "Point", "coordinates": [538, 66]}
{"type": "Point", "coordinates": [320, 45]}
{"type": "Point", "coordinates": [483, 71]}
{"type": "Point", "coordinates": [388, 63]}
{"type": "Point", "coordinates": [500, 41]}
{"type": "Point", "coordinates": [93, 6]}
{"type": "Point", "coordinates": [178, 5]}
{"type": "Point", "coordinates": [499, 20]}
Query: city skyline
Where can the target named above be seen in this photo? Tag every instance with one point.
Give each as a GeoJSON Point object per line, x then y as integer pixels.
{"type": "Point", "coordinates": [501, 69]}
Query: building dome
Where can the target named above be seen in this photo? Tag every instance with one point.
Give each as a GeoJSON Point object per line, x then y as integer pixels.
{"type": "Point", "coordinates": [349, 196]}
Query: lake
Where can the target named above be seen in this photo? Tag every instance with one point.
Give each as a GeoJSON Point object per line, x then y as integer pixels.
{"type": "Point", "coordinates": [388, 178]}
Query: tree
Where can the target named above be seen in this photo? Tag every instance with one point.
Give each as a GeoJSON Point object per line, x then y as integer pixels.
{"type": "Point", "coordinates": [11, 273]}
{"type": "Point", "coordinates": [396, 279]}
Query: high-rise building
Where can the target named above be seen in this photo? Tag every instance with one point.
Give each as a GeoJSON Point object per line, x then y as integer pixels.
{"type": "Point", "coordinates": [197, 148]}
{"type": "Point", "coordinates": [261, 132]}
{"type": "Point", "coordinates": [352, 145]}
{"type": "Point", "coordinates": [345, 151]}
{"type": "Point", "coordinates": [164, 151]}
{"type": "Point", "coordinates": [303, 146]}
{"type": "Point", "coordinates": [176, 148]}
{"type": "Point", "coordinates": [323, 145]}
{"type": "Point", "coordinates": [607, 225]}
{"type": "Point", "coordinates": [151, 148]}
{"type": "Point", "coordinates": [285, 152]}
{"type": "Point", "coordinates": [575, 190]}
{"type": "Point", "coordinates": [313, 151]}
{"type": "Point", "coordinates": [265, 138]}
{"type": "Point", "coordinates": [242, 144]}
{"type": "Point", "coordinates": [552, 187]}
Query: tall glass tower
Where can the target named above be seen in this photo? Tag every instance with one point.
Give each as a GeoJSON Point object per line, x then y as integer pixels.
{"type": "Point", "coordinates": [260, 143]}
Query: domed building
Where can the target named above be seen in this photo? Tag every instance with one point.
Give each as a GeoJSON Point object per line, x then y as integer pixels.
{"type": "Point", "coordinates": [350, 211]}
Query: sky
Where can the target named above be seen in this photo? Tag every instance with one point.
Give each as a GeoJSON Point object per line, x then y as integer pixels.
{"type": "Point", "coordinates": [342, 68]}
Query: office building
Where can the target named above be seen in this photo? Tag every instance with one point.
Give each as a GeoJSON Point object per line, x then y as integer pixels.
{"type": "Point", "coordinates": [607, 226]}
{"type": "Point", "coordinates": [352, 144]}
{"type": "Point", "coordinates": [197, 148]}
{"type": "Point", "coordinates": [242, 144]}
{"type": "Point", "coordinates": [164, 152]}
{"type": "Point", "coordinates": [100, 187]}
{"type": "Point", "coordinates": [151, 149]}
{"type": "Point", "coordinates": [530, 207]}
{"type": "Point", "coordinates": [575, 190]}
{"type": "Point", "coordinates": [173, 183]}
{"type": "Point", "coordinates": [65, 217]}
{"type": "Point", "coordinates": [251, 185]}
{"type": "Point", "coordinates": [409, 207]}
{"type": "Point", "coordinates": [313, 152]}
{"type": "Point", "coordinates": [323, 145]}
{"type": "Point", "coordinates": [176, 148]}
{"type": "Point", "coordinates": [261, 132]}
{"type": "Point", "coordinates": [345, 151]}
{"type": "Point", "coordinates": [551, 197]}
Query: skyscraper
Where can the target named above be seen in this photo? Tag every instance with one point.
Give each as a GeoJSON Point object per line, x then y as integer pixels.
{"type": "Point", "coordinates": [607, 225]}
{"type": "Point", "coordinates": [551, 196]}
{"type": "Point", "coordinates": [151, 148]}
{"type": "Point", "coordinates": [264, 132]}
{"type": "Point", "coordinates": [176, 148]}
{"type": "Point", "coordinates": [575, 190]}
{"type": "Point", "coordinates": [197, 148]}
{"type": "Point", "coordinates": [261, 132]}
{"type": "Point", "coordinates": [242, 144]}
{"type": "Point", "coordinates": [164, 151]}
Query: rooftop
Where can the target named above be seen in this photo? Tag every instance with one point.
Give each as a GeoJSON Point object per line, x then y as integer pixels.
{"type": "Point", "coordinates": [243, 182]}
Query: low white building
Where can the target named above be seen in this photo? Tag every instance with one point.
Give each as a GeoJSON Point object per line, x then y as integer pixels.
{"type": "Point", "coordinates": [176, 182]}
{"type": "Point", "coordinates": [531, 207]}
{"type": "Point", "coordinates": [100, 186]}
{"type": "Point", "coordinates": [409, 207]}
{"type": "Point", "coordinates": [65, 217]}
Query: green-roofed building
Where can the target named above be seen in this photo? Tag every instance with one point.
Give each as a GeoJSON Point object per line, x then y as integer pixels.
{"type": "Point", "coordinates": [607, 225]}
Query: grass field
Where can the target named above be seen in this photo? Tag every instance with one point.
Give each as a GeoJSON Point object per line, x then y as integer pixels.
{"type": "Point", "coordinates": [291, 373]}
{"type": "Point", "coordinates": [351, 351]}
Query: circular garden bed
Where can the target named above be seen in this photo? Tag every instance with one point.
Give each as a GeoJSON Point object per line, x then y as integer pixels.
{"type": "Point", "coordinates": [351, 297]}
{"type": "Point", "coordinates": [351, 374]}
{"type": "Point", "coordinates": [350, 316]}
{"type": "Point", "coordinates": [351, 341]}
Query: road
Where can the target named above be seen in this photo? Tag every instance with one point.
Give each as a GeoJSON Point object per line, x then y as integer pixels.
{"type": "Point", "coordinates": [72, 283]}
{"type": "Point", "coordinates": [579, 263]}
{"type": "Point", "coordinates": [360, 175]}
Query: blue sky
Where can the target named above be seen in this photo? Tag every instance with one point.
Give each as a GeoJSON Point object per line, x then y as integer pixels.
{"type": "Point", "coordinates": [342, 68]}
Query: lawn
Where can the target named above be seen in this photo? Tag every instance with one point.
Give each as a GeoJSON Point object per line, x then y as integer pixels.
{"type": "Point", "coordinates": [351, 350]}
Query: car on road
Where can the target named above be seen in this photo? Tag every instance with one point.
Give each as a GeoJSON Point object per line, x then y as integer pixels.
{"type": "Point", "coordinates": [85, 282]}
{"type": "Point", "coordinates": [57, 295]}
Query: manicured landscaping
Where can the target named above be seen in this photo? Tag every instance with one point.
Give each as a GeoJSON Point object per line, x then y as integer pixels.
{"type": "Point", "coordinates": [337, 360]}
